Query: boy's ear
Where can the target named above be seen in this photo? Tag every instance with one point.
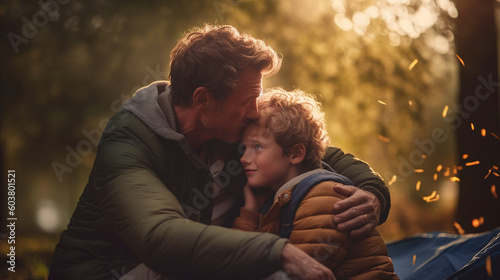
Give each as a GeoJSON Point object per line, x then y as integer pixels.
{"type": "Point", "coordinates": [297, 153]}
{"type": "Point", "coordinates": [201, 98]}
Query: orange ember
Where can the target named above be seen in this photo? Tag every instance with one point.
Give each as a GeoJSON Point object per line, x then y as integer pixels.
{"type": "Point", "coordinates": [393, 179]}
{"type": "Point", "coordinates": [460, 59]}
{"type": "Point", "coordinates": [494, 135]}
{"type": "Point", "coordinates": [455, 179]}
{"type": "Point", "coordinates": [384, 139]}
{"type": "Point", "coordinates": [431, 198]}
{"type": "Point", "coordinates": [477, 222]}
{"type": "Point", "coordinates": [413, 64]}
{"type": "Point", "coordinates": [439, 167]}
{"type": "Point", "coordinates": [445, 111]}
{"type": "Point", "coordinates": [446, 172]}
{"type": "Point", "coordinates": [488, 266]}
{"type": "Point", "coordinates": [459, 228]}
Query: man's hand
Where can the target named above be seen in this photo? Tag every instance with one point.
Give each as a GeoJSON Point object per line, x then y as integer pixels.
{"type": "Point", "coordinates": [255, 199]}
{"type": "Point", "coordinates": [359, 213]}
{"type": "Point", "coordinates": [297, 263]}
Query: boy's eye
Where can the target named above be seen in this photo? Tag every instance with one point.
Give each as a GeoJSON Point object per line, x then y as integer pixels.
{"type": "Point", "coordinates": [258, 146]}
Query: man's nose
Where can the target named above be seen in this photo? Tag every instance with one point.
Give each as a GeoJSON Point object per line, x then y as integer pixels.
{"type": "Point", "coordinates": [252, 111]}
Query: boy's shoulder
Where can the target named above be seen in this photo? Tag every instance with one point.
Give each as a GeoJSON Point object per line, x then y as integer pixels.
{"type": "Point", "coordinates": [324, 188]}
{"type": "Point", "coordinates": [319, 177]}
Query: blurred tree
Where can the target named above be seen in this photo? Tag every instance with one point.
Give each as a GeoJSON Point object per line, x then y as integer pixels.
{"type": "Point", "coordinates": [478, 110]}
{"type": "Point", "coordinates": [66, 69]}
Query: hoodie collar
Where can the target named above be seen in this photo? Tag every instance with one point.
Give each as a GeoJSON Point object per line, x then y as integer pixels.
{"type": "Point", "coordinates": [152, 104]}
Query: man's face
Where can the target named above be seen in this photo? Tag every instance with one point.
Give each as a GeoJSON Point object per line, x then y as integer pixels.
{"type": "Point", "coordinates": [264, 162]}
{"type": "Point", "coordinates": [228, 117]}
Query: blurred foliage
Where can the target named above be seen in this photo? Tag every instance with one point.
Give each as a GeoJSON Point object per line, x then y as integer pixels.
{"type": "Point", "coordinates": [60, 85]}
{"type": "Point", "coordinates": [31, 258]}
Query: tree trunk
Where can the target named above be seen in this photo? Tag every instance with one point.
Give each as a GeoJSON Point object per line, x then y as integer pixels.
{"type": "Point", "coordinates": [477, 109]}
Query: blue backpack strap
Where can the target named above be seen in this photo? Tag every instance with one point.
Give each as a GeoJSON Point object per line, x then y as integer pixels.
{"type": "Point", "coordinates": [267, 204]}
{"type": "Point", "coordinates": [299, 192]}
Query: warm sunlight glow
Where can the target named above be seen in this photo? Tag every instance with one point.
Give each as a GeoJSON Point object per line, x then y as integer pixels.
{"type": "Point", "coordinates": [338, 6]}
{"type": "Point", "coordinates": [440, 44]}
{"type": "Point", "coordinates": [424, 18]}
{"type": "Point", "coordinates": [399, 19]}
{"type": "Point", "coordinates": [343, 22]}
{"type": "Point", "coordinates": [394, 39]}
{"type": "Point", "coordinates": [47, 216]}
{"type": "Point", "coordinates": [361, 22]}
{"type": "Point", "coordinates": [372, 12]}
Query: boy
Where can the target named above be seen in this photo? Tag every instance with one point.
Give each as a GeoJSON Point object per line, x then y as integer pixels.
{"type": "Point", "coordinates": [283, 148]}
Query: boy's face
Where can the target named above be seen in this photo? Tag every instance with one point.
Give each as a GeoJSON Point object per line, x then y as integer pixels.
{"type": "Point", "coordinates": [264, 161]}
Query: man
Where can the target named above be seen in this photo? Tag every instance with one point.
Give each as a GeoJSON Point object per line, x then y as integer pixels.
{"type": "Point", "coordinates": [165, 170]}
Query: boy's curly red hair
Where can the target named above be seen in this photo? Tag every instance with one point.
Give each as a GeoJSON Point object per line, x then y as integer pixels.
{"type": "Point", "coordinates": [295, 117]}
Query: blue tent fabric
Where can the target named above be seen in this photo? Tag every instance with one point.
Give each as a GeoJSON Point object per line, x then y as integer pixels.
{"type": "Point", "coordinates": [440, 255]}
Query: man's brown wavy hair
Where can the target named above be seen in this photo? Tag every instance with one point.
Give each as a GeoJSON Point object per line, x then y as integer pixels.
{"type": "Point", "coordinates": [295, 117]}
{"type": "Point", "coordinates": [213, 57]}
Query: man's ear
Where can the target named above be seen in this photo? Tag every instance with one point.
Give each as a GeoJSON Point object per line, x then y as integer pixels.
{"type": "Point", "coordinates": [297, 153]}
{"type": "Point", "coordinates": [201, 98]}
